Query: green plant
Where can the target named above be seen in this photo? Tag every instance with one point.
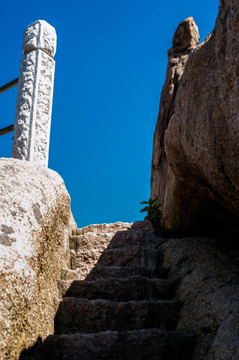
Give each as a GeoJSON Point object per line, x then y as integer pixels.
{"type": "Point", "coordinates": [154, 213]}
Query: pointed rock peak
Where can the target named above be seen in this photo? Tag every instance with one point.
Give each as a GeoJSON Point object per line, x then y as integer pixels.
{"type": "Point", "coordinates": [186, 35]}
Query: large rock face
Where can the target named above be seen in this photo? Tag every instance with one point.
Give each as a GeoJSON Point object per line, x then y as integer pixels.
{"type": "Point", "coordinates": [195, 166]}
{"type": "Point", "coordinates": [208, 273]}
{"type": "Point", "coordinates": [184, 41]}
{"type": "Point", "coordinates": [35, 221]}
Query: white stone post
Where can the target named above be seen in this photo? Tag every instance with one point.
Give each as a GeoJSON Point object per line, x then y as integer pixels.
{"type": "Point", "coordinates": [35, 91]}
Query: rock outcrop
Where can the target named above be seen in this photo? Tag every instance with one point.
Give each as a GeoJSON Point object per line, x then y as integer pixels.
{"type": "Point", "coordinates": [195, 166]}
{"type": "Point", "coordinates": [185, 40]}
{"type": "Point", "coordinates": [208, 276]}
{"type": "Point", "coordinates": [35, 221]}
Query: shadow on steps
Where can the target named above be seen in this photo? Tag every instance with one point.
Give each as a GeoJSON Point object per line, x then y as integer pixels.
{"type": "Point", "coordinates": [153, 344]}
{"type": "Point", "coordinates": [122, 310]}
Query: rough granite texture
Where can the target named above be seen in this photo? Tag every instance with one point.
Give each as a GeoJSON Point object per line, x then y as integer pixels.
{"type": "Point", "coordinates": [208, 272]}
{"type": "Point", "coordinates": [114, 317]}
{"type": "Point", "coordinates": [130, 345]}
{"type": "Point", "coordinates": [185, 40]}
{"type": "Point", "coordinates": [199, 186]}
{"type": "Point", "coordinates": [35, 220]}
{"type": "Point", "coordinates": [89, 243]}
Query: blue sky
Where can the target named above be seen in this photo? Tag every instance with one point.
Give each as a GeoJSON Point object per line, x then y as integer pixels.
{"type": "Point", "coordinates": [111, 63]}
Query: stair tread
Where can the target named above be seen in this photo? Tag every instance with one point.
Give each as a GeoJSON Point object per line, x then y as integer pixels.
{"type": "Point", "coordinates": [150, 344]}
{"type": "Point", "coordinates": [125, 238]}
{"type": "Point", "coordinates": [120, 289]}
{"type": "Point", "coordinates": [76, 299]}
{"type": "Point", "coordinates": [123, 248]}
{"type": "Point", "coordinates": [83, 315]}
{"type": "Point", "coordinates": [141, 344]}
{"type": "Point", "coordinates": [144, 225]}
{"type": "Point", "coordinates": [133, 256]}
{"type": "Point", "coordinates": [124, 272]}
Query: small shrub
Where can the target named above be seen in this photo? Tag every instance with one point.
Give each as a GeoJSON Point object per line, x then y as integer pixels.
{"type": "Point", "coordinates": [154, 213]}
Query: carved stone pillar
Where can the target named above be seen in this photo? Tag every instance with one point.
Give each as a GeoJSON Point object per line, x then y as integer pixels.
{"type": "Point", "coordinates": [35, 91]}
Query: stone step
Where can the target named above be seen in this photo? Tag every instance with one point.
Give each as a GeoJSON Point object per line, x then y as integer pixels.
{"type": "Point", "coordinates": [85, 260]}
{"type": "Point", "coordinates": [124, 238]}
{"type": "Point", "coordinates": [154, 241]}
{"type": "Point", "coordinates": [123, 272]}
{"type": "Point", "coordinates": [117, 289]}
{"type": "Point", "coordinates": [133, 256]}
{"type": "Point", "coordinates": [68, 274]}
{"type": "Point", "coordinates": [114, 235]}
{"type": "Point", "coordinates": [130, 237]}
{"type": "Point", "coordinates": [135, 238]}
{"type": "Point", "coordinates": [83, 315]}
{"type": "Point", "coordinates": [76, 232]}
{"type": "Point", "coordinates": [150, 344]}
{"type": "Point", "coordinates": [143, 225]}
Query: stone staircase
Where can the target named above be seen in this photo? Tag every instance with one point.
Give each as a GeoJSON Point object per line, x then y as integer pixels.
{"type": "Point", "coordinates": [121, 305]}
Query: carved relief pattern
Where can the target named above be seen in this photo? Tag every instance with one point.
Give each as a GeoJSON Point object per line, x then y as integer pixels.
{"type": "Point", "coordinates": [49, 38]}
{"type": "Point", "coordinates": [34, 99]}
{"type": "Point", "coordinates": [24, 107]}
{"type": "Point", "coordinates": [40, 35]}
{"type": "Point", "coordinates": [45, 75]}
{"type": "Point", "coordinates": [30, 37]}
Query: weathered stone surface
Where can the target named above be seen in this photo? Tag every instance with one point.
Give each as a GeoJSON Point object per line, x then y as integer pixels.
{"type": "Point", "coordinates": [200, 189]}
{"type": "Point", "coordinates": [150, 344]}
{"type": "Point", "coordinates": [185, 39]}
{"type": "Point", "coordinates": [116, 317]}
{"type": "Point", "coordinates": [89, 243]}
{"type": "Point", "coordinates": [35, 91]}
{"type": "Point", "coordinates": [131, 257]}
{"type": "Point", "coordinates": [34, 228]}
{"type": "Point", "coordinates": [208, 272]}
{"type": "Point", "coordinates": [141, 344]}
{"type": "Point", "coordinates": [89, 316]}
{"type": "Point", "coordinates": [117, 289]}
{"type": "Point", "coordinates": [123, 272]}
{"type": "Point", "coordinates": [186, 36]}
{"type": "Point", "coordinates": [39, 36]}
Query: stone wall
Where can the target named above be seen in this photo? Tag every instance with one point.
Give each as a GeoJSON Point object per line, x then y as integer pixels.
{"type": "Point", "coordinates": [35, 224]}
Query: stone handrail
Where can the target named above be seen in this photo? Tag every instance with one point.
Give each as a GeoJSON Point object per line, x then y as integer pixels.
{"type": "Point", "coordinates": [6, 130]}
{"type": "Point", "coordinates": [8, 85]}
{"type": "Point", "coordinates": [3, 88]}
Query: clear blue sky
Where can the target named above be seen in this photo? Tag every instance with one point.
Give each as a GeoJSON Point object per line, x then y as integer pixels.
{"type": "Point", "coordinates": [111, 63]}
